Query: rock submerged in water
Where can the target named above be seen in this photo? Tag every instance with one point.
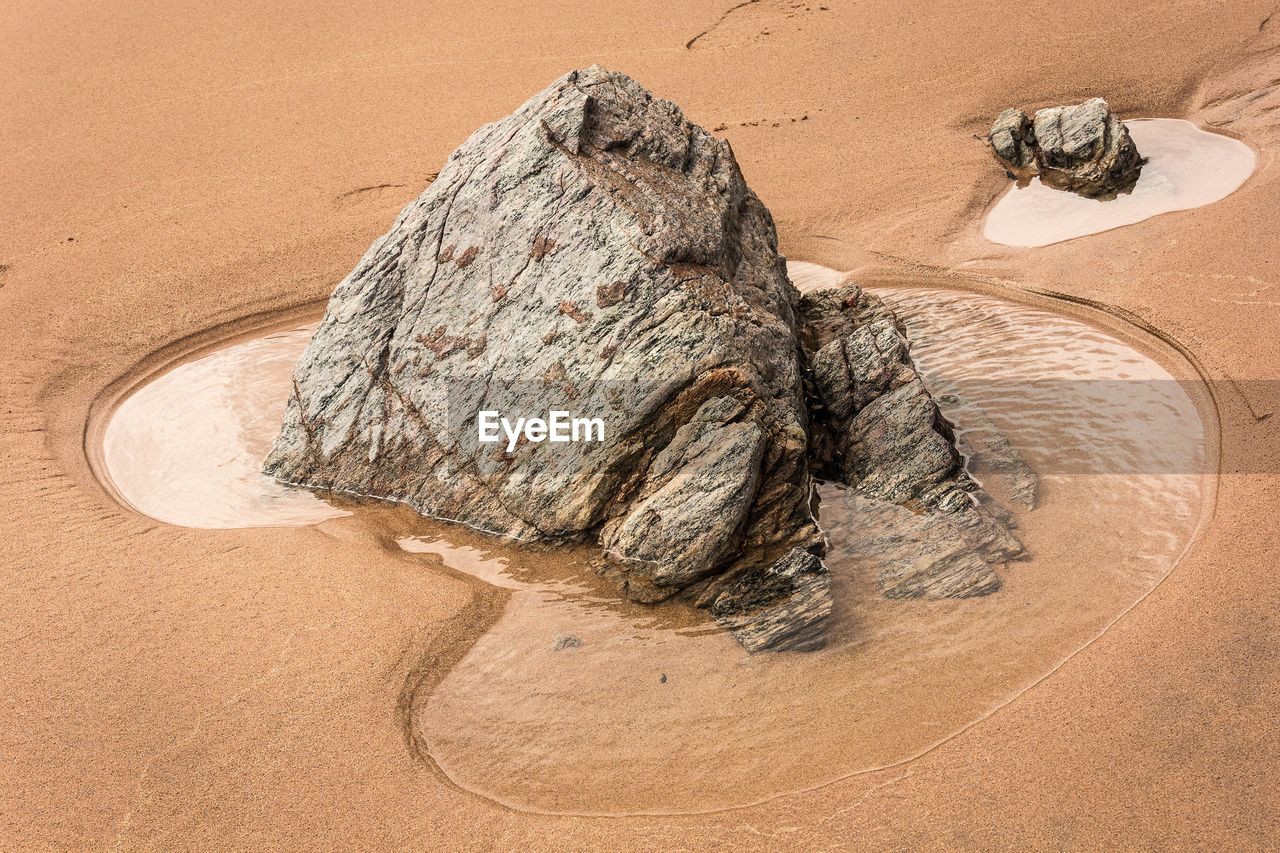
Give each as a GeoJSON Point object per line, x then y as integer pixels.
{"type": "Point", "coordinates": [598, 254]}
{"type": "Point", "coordinates": [785, 605]}
{"type": "Point", "coordinates": [1084, 149]}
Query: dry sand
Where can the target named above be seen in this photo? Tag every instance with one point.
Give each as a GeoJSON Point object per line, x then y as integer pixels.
{"type": "Point", "coordinates": [168, 170]}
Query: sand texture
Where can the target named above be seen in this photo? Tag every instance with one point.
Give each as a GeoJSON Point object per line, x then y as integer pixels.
{"type": "Point", "coordinates": [174, 176]}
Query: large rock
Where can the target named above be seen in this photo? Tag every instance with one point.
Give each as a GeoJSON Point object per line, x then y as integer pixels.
{"type": "Point", "coordinates": [597, 253]}
{"type": "Point", "coordinates": [593, 252]}
{"type": "Point", "coordinates": [1084, 148]}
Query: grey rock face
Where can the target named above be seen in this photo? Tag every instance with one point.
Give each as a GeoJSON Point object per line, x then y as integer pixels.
{"type": "Point", "coordinates": [922, 521]}
{"type": "Point", "coordinates": [1012, 139]}
{"type": "Point", "coordinates": [880, 429]}
{"type": "Point", "coordinates": [597, 253]}
{"type": "Point", "coordinates": [1083, 148]}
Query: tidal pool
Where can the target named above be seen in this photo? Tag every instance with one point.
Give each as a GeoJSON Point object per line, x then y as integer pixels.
{"type": "Point", "coordinates": [1187, 167]}
{"type": "Point", "coordinates": [187, 448]}
{"type": "Point", "coordinates": [574, 701]}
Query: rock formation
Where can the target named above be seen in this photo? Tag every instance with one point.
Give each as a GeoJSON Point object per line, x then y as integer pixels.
{"type": "Point", "coordinates": [596, 253]}
{"type": "Point", "coordinates": [1013, 140]}
{"type": "Point", "coordinates": [921, 520]}
{"type": "Point", "coordinates": [1084, 148]}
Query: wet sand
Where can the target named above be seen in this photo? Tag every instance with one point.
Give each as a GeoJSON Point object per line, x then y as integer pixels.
{"type": "Point", "coordinates": [176, 688]}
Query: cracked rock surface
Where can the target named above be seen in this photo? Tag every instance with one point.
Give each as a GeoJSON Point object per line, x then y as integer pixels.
{"type": "Point", "coordinates": [596, 253]}
{"type": "Point", "coordinates": [1084, 148]}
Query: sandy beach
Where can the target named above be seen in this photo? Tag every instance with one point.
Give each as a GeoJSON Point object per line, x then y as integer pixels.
{"type": "Point", "coordinates": [174, 178]}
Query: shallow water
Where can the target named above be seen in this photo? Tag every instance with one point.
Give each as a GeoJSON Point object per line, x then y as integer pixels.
{"type": "Point", "coordinates": [575, 701]}
{"type": "Point", "coordinates": [187, 448]}
{"type": "Point", "coordinates": [1188, 167]}
{"type": "Point", "coordinates": [631, 716]}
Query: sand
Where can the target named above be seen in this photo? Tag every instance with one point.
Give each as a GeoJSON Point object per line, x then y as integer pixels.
{"type": "Point", "coordinates": [170, 172]}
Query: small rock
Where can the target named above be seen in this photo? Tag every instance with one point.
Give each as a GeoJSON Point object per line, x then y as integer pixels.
{"type": "Point", "coordinates": [1012, 139]}
{"type": "Point", "coordinates": [1084, 148]}
{"type": "Point", "coordinates": [566, 641]}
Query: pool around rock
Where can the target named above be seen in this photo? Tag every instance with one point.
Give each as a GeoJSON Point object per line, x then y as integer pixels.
{"type": "Point", "coordinates": [576, 701]}
{"type": "Point", "coordinates": [1187, 167]}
